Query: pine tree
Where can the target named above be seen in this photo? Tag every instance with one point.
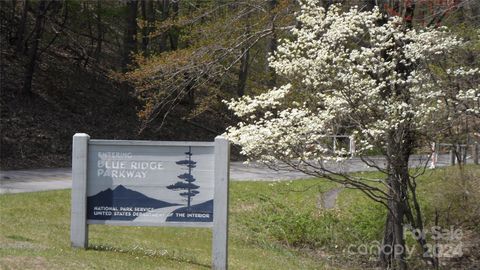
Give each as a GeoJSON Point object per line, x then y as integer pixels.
{"type": "Point", "coordinates": [187, 184]}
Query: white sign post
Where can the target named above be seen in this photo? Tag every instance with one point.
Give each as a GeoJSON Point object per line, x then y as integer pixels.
{"type": "Point", "coordinates": [151, 183]}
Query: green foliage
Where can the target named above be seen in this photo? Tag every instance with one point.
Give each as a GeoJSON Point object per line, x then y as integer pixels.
{"type": "Point", "coordinates": [452, 194]}
{"type": "Point", "coordinates": [291, 214]}
{"type": "Point", "coordinates": [205, 67]}
{"type": "Point", "coordinates": [296, 227]}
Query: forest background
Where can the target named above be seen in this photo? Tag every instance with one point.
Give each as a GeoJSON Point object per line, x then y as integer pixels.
{"type": "Point", "coordinates": [154, 69]}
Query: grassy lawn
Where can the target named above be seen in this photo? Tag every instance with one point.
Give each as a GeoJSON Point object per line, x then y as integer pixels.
{"type": "Point", "coordinates": [273, 225]}
{"type": "Point", "coordinates": [34, 234]}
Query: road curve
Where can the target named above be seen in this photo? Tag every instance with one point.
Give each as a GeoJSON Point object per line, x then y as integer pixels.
{"type": "Point", "coordinates": [18, 181]}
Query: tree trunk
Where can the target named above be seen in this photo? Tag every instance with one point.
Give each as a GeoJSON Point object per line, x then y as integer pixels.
{"type": "Point", "coordinates": [409, 13]}
{"type": "Point", "coordinates": [190, 89]}
{"type": "Point", "coordinates": [474, 7]}
{"type": "Point", "coordinates": [88, 14]}
{"type": "Point", "coordinates": [22, 25]}
{"type": "Point", "coordinates": [145, 27]}
{"type": "Point", "coordinates": [399, 148]}
{"type": "Point", "coordinates": [148, 18]}
{"type": "Point", "coordinates": [98, 48]}
{"type": "Point", "coordinates": [165, 7]}
{"type": "Point", "coordinates": [386, 252]}
{"type": "Point", "coordinates": [271, 46]}
{"type": "Point", "coordinates": [245, 57]}
{"type": "Point", "coordinates": [460, 11]}
{"type": "Point", "coordinates": [392, 253]}
{"type": "Point", "coordinates": [368, 5]}
{"type": "Point", "coordinates": [130, 38]}
{"type": "Point", "coordinates": [174, 32]}
{"type": "Point", "coordinates": [33, 50]}
{"type": "Point", "coordinates": [243, 74]}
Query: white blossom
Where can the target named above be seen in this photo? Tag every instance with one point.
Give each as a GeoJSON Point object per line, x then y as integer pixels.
{"type": "Point", "coordinates": [346, 65]}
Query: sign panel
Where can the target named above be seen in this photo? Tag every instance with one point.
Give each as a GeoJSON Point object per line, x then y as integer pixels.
{"type": "Point", "coordinates": [150, 184]}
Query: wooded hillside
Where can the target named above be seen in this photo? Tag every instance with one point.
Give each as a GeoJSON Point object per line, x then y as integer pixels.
{"type": "Point", "coordinates": [151, 69]}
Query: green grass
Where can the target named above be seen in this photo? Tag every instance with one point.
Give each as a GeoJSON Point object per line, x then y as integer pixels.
{"type": "Point", "coordinates": [34, 234]}
{"type": "Point", "coordinates": [273, 225]}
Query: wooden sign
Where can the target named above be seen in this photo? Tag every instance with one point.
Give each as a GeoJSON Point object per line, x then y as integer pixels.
{"type": "Point", "coordinates": [151, 183]}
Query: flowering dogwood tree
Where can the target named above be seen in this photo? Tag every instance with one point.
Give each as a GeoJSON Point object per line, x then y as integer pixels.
{"type": "Point", "coordinates": [371, 76]}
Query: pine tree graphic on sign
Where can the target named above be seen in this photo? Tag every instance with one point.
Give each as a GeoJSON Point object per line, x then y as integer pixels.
{"type": "Point", "coordinates": [187, 185]}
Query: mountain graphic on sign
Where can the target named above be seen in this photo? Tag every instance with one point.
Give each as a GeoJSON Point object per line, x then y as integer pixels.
{"type": "Point", "coordinates": [121, 197]}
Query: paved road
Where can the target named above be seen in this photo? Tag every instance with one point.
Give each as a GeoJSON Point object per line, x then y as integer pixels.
{"type": "Point", "coordinates": [17, 181]}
